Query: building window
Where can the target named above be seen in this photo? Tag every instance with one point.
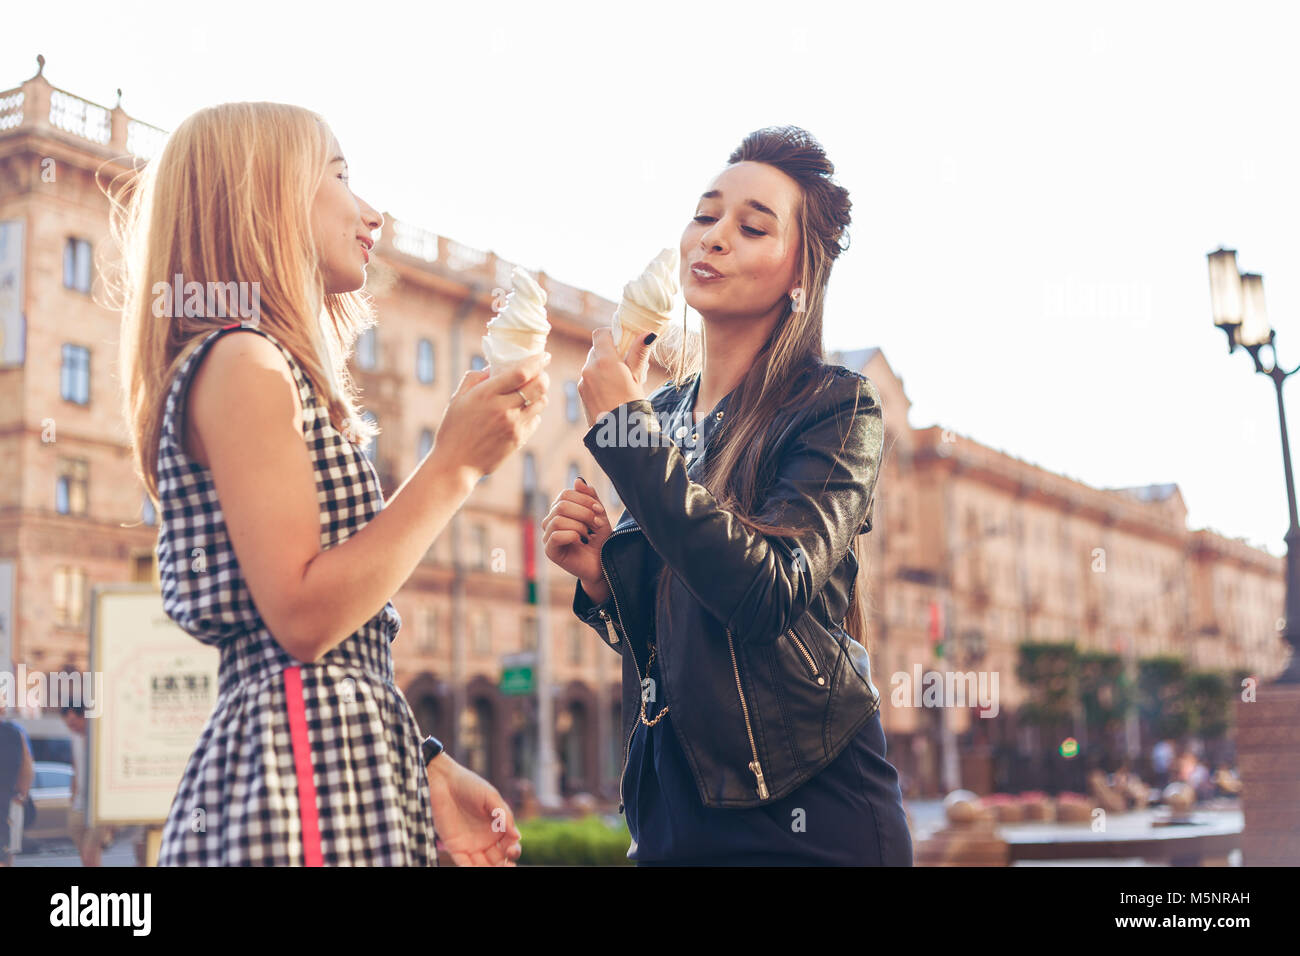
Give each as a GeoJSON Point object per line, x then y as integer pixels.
{"type": "Point", "coordinates": [70, 488]}
{"type": "Point", "coordinates": [149, 514]}
{"type": "Point", "coordinates": [76, 265]}
{"type": "Point", "coordinates": [429, 637]}
{"type": "Point", "coordinates": [571, 409]}
{"type": "Point", "coordinates": [477, 363]}
{"type": "Point", "coordinates": [480, 547]}
{"type": "Point", "coordinates": [74, 375]}
{"type": "Point", "coordinates": [482, 635]}
{"type": "Point", "coordinates": [142, 570]}
{"type": "Point", "coordinates": [69, 596]}
{"type": "Point", "coordinates": [424, 367]}
{"type": "Point", "coordinates": [368, 350]}
{"type": "Point", "coordinates": [426, 444]}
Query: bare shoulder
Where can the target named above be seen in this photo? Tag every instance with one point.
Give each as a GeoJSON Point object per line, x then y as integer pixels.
{"type": "Point", "coordinates": [243, 378]}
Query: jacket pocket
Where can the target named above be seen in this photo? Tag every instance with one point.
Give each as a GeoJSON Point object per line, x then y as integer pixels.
{"type": "Point", "coordinates": [812, 661]}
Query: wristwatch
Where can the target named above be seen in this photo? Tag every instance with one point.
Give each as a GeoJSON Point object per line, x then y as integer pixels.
{"type": "Point", "coordinates": [431, 747]}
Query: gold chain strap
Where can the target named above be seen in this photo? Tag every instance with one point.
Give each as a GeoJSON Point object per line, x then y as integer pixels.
{"type": "Point", "coordinates": [658, 716]}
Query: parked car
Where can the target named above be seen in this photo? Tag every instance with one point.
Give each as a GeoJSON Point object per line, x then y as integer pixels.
{"type": "Point", "coordinates": [52, 793]}
{"type": "Point", "coordinates": [50, 737]}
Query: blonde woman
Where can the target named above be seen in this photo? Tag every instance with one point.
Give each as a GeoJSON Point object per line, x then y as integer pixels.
{"type": "Point", "coordinates": [245, 250]}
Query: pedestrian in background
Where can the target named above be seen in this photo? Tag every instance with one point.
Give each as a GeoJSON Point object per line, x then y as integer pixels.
{"type": "Point", "coordinates": [17, 772]}
{"type": "Point", "coordinates": [91, 841]}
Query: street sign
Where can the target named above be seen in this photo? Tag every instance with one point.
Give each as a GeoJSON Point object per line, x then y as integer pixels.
{"type": "Point", "coordinates": [517, 672]}
{"type": "Point", "coordinates": [517, 680]}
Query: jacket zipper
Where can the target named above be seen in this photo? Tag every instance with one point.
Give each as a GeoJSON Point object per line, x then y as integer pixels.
{"type": "Point", "coordinates": [804, 651]}
{"type": "Point", "coordinates": [627, 747]}
{"type": "Point", "coordinates": [754, 765]}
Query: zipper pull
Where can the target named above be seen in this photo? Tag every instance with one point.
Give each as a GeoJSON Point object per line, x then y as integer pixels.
{"type": "Point", "coordinates": [609, 626]}
{"type": "Point", "coordinates": [758, 772]}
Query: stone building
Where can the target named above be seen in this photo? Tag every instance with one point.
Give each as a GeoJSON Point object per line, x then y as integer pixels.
{"type": "Point", "coordinates": [970, 544]}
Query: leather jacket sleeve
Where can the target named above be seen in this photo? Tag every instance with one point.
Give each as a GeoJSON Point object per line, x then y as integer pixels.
{"type": "Point", "coordinates": [756, 585]}
{"type": "Point", "coordinates": [589, 613]}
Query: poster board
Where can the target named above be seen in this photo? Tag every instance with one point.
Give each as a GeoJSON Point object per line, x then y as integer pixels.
{"type": "Point", "coordinates": [159, 687]}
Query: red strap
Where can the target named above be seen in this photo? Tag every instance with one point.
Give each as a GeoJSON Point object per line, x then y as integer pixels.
{"type": "Point", "coordinates": [311, 846]}
{"type": "Point", "coordinates": [232, 325]}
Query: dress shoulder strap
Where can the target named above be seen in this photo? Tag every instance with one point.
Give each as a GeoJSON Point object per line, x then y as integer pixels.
{"type": "Point", "coordinates": [174, 424]}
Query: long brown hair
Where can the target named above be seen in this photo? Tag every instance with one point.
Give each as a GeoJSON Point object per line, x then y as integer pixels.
{"type": "Point", "coordinates": [228, 200]}
{"type": "Point", "coordinates": [740, 456]}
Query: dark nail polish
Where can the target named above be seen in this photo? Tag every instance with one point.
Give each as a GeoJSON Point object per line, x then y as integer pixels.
{"type": "Point", "coordinates": [651, 337]}
{"type": "Point", "coordinates": [584, 539]}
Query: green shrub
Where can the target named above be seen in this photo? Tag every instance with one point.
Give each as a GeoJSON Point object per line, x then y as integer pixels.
{"type": "Point", "coordinates": [589, 841]}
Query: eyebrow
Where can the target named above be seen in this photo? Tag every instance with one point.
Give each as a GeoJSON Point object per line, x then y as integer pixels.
{"type": "Point", "coordinates": [717, 194]}
{"type": "Point", "coordinates": [339, 159]}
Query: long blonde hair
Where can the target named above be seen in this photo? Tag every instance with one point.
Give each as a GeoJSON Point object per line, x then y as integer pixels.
{"type": "Point", "coordinates": [228, 200]}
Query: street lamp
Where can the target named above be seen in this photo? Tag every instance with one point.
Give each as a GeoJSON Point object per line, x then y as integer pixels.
{"type": "Point", "coordinates": [1237, 302]}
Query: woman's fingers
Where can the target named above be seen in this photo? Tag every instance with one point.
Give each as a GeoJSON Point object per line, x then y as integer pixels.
{"type": "Point", "coordinates": [571, 509]}
{"type": "Point", "coordinates": [582, 488]}
{"type": "Point", "coordinates": [565, 537]}
{"type": "Point", "coordinates": [562, 523]}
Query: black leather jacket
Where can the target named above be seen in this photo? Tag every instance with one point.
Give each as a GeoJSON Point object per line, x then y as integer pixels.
{"type": "Point", "coordinates": [764, 683]}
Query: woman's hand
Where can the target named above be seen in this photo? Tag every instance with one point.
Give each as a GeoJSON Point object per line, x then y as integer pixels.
{"type": "Point", "coordinates": [486, 421]}
{"type": "Point", "coordinates": [473, 822]}
{"type": "Point", "coordinates": [573, 531]}
{"type": "Point", "coordinates": [609, 379]}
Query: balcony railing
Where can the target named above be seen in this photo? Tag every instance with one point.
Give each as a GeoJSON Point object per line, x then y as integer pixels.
{"type": "Point", "coordinates": [456, 257]}
{"type": "Point", "coordinates": [39, 105]}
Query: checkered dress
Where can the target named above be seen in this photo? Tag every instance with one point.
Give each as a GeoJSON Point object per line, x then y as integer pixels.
{"type": "Point", "coordinates": [282, 730]}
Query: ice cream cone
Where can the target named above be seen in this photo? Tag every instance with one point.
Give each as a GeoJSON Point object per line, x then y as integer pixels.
{"type": "Point", "coordinates": [519, 331]}
{"type": "Point", "coordinates": [505, 348]}
{"type": "Point", "coordinates": [647, 301]}
{"type": "Point", "coordinates": [631, 323]}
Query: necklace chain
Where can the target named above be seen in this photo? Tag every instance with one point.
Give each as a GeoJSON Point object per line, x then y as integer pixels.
{"type": "Point", "coordinates": [658, 716]}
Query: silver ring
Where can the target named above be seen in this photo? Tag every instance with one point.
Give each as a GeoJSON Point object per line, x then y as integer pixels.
{"type": "Point", "coordinates": [525, 398]}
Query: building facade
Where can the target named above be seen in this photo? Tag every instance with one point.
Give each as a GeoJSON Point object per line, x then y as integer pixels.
{"type": "Point", "coordinates": [970, 546]}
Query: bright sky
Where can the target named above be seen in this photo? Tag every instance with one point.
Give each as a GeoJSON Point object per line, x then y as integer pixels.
{"type": "Point", "coordinates": [1035, 185]}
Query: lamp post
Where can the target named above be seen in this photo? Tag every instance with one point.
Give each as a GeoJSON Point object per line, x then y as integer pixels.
{"type": "Point", "coordinates": [1237, 301]}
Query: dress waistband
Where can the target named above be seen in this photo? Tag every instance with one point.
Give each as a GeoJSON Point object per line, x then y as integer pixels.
{"type": "Point", "coordinates": [255, 656]}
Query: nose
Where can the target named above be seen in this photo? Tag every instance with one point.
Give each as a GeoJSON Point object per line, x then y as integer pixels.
{"type": "Point", "coordinates": [713, 238]}
{"type": "Point", "coordinates": [372, 217]}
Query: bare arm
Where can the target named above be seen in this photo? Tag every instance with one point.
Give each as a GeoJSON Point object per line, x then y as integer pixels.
{"type": "Point", "coordinates": [246, 411]}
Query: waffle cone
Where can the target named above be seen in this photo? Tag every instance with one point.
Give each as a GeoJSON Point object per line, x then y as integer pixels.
{"type": "Point", "coordinates": [632, 323]}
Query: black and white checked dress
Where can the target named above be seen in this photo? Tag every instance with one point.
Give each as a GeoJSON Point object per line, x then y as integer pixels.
{"type": "Point", "coordinates": [238, 801]}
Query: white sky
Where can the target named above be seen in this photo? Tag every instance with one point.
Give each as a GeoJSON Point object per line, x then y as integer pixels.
{"type": "Point", "coordinates": [1035, 186]}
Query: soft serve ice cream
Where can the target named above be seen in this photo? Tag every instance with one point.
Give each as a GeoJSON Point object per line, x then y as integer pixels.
{"type": "Point", "coordinates": [520, 329]}
{"type": "Point", "coordinates": [647, 301]}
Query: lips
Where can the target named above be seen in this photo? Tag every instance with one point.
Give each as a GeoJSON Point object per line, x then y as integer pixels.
{"type": "Point", "coordinates": [366, 246]}
{"type": "Point", "coordinates": [705, 272]}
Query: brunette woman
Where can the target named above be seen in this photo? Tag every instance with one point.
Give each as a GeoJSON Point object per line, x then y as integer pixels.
{"type": "Point", "coordinates": [728, 586]}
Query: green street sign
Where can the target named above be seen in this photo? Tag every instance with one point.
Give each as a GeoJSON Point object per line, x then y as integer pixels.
{"type": "Point", "coordinates": [517, 680]}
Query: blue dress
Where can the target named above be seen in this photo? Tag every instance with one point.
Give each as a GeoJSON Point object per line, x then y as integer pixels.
{"type": "Point", "coordinates": [849, 814]}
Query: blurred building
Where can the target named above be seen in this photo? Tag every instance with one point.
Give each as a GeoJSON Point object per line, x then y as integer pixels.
{"type": "Point", "coordinates": [970, 546]}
